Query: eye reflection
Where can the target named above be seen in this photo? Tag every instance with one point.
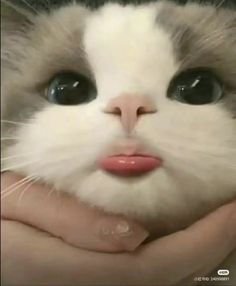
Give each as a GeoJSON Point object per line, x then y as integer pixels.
{"type": "Point", "coordinates": [196, 87]}
{"type": "Point", "coordinates": [70, 89]}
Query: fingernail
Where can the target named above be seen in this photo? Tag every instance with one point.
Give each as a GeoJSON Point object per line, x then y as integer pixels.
{"type": "Point", "coordinates": [128, 235]}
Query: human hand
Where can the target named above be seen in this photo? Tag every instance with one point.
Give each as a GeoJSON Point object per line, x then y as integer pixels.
{"type": "Point", "coordinates": [26, 251]}
{"type": "Point", "coordinates": [62, 216]}
{"type": "Point", "coordinates": [172, 260]}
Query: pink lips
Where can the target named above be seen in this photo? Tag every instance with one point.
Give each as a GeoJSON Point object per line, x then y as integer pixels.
{"type": "Point", "coordinates": [134, 165]}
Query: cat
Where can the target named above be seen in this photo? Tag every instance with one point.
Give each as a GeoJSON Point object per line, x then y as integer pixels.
{"type": "Point", "coordinates": [131, 108]}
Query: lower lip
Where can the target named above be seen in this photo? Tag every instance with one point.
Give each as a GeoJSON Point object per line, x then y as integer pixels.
{"type": "Point", "coordinates": [130, 165]}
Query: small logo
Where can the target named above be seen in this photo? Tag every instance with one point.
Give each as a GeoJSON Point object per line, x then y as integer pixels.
{"type": "Point", "coordinates": [223, 272]}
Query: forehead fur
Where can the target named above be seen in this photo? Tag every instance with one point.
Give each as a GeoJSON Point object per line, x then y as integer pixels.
{"type": "Point", "coordinates": [127, 54]}
{"type": "Point", "coordinates": [201, 34]}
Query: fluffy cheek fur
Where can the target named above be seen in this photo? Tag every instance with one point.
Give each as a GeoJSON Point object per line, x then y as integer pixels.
{"type": "Point", "coordinates": [63, 144]}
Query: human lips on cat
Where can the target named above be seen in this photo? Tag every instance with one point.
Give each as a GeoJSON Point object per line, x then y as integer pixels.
{"type": "Point", "coordinates": [133, 165]}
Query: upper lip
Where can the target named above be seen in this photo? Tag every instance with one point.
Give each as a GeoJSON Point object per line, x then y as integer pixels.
{"type": "Point", "coordinates": [131, 149]}
{"type": "Point", "coordinates": [132, 155]}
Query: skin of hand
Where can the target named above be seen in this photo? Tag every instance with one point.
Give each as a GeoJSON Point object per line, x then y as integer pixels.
{"type": "Point", "coordinates": [33, 257]}
{"type": "Point", "coordinates": [62, 216]}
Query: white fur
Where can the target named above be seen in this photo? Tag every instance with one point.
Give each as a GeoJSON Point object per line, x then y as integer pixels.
{"type": "Point", "coordinates": [196, 143]}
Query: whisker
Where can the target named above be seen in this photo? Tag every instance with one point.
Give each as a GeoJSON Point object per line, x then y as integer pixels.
{"type": "Point", "coordinates": [25, 190]}
{"type": "Point", "coordinates": [14, 122]}
{"type": "Point", "coordinates": [10, 138]}
{"type": "Point", "coordinates": [16, 183]}
{"type": "Point", "coordinates": [10, 191]}
{"type": "Point", "coordinates": [11, 168]}
{"type": "Point", "coordinates": [14, 190]}
{"type": "Point", "coordinates": [32, 8]}
{"type": "Point", "coordinates": [50, 192]}
{"type": "Point", "coordinates": [16, 156]}
{"type": "Point", "coordinates": [220, 4]}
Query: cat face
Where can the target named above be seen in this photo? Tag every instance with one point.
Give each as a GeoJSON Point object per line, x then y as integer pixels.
{"type": "Point", "coordinates": [131, 65]}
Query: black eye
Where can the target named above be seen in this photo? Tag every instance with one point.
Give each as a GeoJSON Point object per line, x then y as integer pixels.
{"type": "Point", "coordinates": [196, 86]}
{"type": "Point", "coordinates": [70, 89]}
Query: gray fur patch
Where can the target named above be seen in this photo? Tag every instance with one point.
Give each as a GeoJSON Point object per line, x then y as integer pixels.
{"type": "Point", "coordinates": [33, 51]}
{"type": "Point", "coordinates": [204, 36]}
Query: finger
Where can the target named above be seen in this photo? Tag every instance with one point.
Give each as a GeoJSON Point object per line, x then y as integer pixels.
{"type": "Point", "coordinates": [33, 258]}
{"type": "Point", "coordinates": [66, 217]}
{"type": "Point", "coordinates": [204, 245]}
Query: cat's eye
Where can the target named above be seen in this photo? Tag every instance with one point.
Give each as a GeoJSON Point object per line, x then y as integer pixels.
{"type": "Point", "coordinates": [70, 89]}
{"type": "Point", "coordinates": [196, 86]}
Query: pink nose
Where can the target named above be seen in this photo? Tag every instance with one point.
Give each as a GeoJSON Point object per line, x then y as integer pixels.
{"type": "Point", "coordinates": [129, 108]}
